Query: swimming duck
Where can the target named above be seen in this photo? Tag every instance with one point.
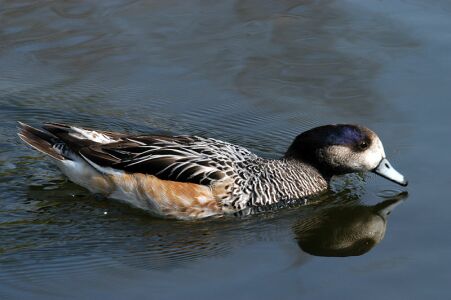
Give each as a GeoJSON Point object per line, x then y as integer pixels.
{"type": "Point", "coordinates": [188, 177]}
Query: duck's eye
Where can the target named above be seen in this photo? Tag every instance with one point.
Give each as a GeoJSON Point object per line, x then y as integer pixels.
{"type": "Point", "coordinates": [363, 145]}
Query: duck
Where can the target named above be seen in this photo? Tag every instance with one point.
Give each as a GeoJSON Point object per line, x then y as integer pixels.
{"type": "Point", "coordinates": [193, 177]}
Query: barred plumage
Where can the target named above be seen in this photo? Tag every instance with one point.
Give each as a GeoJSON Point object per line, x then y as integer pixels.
{"type": "Point", "coordinates": [254, 180]}
{"type": "Point", "coordinates": [187, 176]}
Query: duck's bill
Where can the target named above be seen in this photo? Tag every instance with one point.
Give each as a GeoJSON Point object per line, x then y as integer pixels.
{"type": "Point", "coordinates": [386, 170]}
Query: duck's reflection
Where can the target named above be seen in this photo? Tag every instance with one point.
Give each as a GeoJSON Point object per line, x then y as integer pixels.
{"type": "Point", "coordinates": [344, 230]}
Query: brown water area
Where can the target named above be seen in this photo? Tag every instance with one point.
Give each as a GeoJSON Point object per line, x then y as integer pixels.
{"type": "Point", "coordinates": [251, 72]}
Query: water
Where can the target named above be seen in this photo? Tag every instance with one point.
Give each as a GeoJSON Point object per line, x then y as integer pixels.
{"type": "Point", "coordinates": [255, 73]}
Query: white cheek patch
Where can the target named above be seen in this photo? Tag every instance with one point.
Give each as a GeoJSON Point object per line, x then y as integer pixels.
{"type": "Point", "coordinates": [374, 155]}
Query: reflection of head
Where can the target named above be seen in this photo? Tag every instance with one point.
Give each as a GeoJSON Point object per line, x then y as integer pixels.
{"type": "Point", "coordinates": [345, 230]}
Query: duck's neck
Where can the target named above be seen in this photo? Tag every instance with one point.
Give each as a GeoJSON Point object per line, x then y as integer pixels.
{"type": "Point", "coordinates": [285, 179]}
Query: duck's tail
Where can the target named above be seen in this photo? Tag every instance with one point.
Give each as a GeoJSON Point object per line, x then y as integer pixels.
{"type": "Point", "coordinates": [42, 141]}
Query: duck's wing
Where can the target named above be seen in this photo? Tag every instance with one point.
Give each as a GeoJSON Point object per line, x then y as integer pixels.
{"type": "Point", "coordinates": [177, 158]}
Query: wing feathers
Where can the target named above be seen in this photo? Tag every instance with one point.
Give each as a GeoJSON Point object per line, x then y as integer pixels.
{"type": "Point", "coordinates": [177, 158]}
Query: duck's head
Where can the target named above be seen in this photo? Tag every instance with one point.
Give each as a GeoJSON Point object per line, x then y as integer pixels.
{"type": "Point", "coordinates": [341, 149]}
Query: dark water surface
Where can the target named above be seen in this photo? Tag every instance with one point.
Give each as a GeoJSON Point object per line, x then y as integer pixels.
{"type": "Point", "coordinates": [252, 72]}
